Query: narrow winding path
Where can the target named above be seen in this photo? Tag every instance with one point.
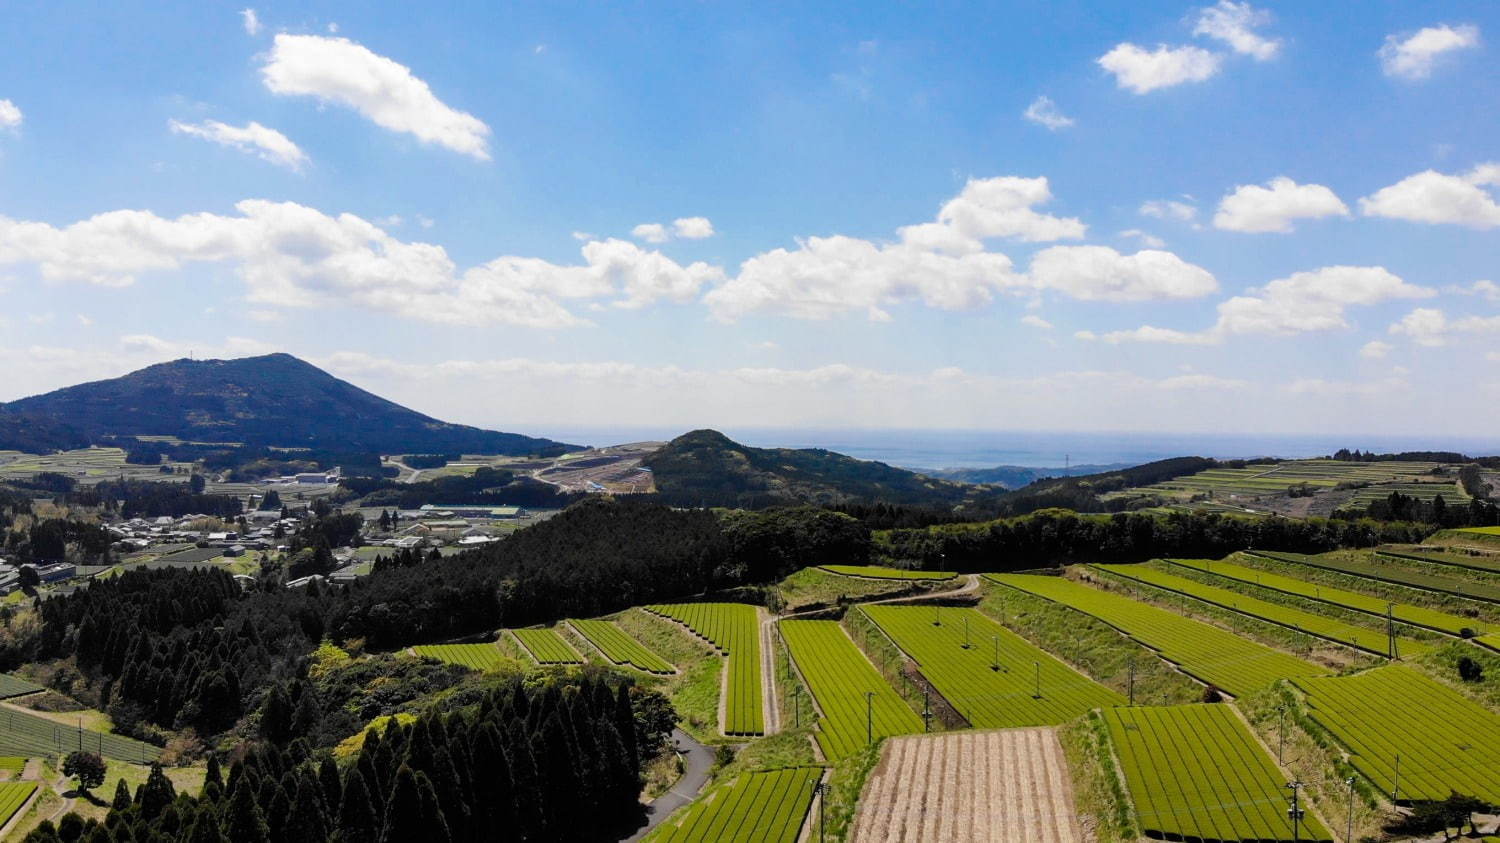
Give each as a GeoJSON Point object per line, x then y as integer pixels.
{"type": "Point", "coordinates": [697, 759]}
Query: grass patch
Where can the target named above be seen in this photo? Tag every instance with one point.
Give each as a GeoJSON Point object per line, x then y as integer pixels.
{"type": "Point", "coordinates": [694, 691]}
{"type": "Point", "coordinates": [816, 587]}
{"type": "Point", "coordinates": [1442, 665]}
{"type": "Point", "coordinates": [1098, 790]}
{"type": "Point", "coordinates": [846, 781]}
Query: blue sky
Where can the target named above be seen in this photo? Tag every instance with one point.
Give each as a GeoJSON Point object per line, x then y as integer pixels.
{"type": "Point", "coordinates": [1267, 217]}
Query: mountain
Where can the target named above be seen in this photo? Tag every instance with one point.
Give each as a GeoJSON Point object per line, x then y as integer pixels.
{"type": "Point", "coordinates": [707, 467]}
{"type": "Point", "coordinates": [1016, 476]}
{"type": "Point", "coordinates": [37, 435]}
{"type": "Point", "coordinates": [275, 399]}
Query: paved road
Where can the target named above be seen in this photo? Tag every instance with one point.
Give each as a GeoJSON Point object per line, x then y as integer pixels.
{"type": "Point", "coordinates": [698, 759]}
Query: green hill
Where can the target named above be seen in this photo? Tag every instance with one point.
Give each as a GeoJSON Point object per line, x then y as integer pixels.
{"type": "Point", "coordinates": [707, 467]}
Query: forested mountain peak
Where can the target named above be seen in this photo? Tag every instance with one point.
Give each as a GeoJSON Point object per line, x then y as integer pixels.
{"type": "Point", "coordinates": [272, 399]}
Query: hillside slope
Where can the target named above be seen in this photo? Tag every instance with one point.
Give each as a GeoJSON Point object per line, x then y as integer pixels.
{"type": "Point", "coordinates": [37, 435]}
{"type": "Point", "coordinates": [275, 399]}
{"type": "Point", "coordinates": [707, 467]}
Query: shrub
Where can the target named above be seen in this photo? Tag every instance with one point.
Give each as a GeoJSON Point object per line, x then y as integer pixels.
{"type": "Point", "coordinates": [1470, 670]}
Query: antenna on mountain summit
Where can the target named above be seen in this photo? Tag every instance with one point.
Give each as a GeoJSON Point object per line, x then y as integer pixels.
{"type": "Point", "coordinates": [1067, 464]}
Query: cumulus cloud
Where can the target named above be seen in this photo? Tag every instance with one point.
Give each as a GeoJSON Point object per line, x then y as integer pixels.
{"type": "Point", "coordinates": [1235, 25]}
{"type": "Point", "coordinates": [1142, 71]}
{"type": "Point", "coordinates": [340, 71]}
{"type": "Point", "coordinates": [1304, 302]}
{"type": "Point", "coordinates": [1169, 209]}
{"type": "Point", "coordinates": [1488, 290]}
{"type": "Point", "coordinates": [1375, 350]}
{"type": "Point", "coordinates": [693, 228]}
{"type": "Point", "coordinates": [1099, 273]}
{"type": "Point", "coordinates": [942, 264]}
{"type": "Point", "coordinates": [651, 232]}
{"type": "Point", "coordinates": [1434, 197]}
{"type": "Point", "coordinates": [1254, 208]}
{"type": "Point", "coordinates": [1031, 320]}
{"type": "Point", "coordinates": [290, 255]}
{"type": "Point", "coordinates": [251, 21]}
{"type": "Point", "coordinates": [262, 142]}
{"type": "Point", "coordinates": [1431, 327]}
{"type": "Point", "coordinates": [10, 115]}
{"type": "Point", "coordinates": [1414, 56]}
{"type": "Point", "coordinates": [1044, 112]}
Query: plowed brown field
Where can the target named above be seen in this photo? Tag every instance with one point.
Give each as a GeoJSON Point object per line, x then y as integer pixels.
{"type": "Point", "coordinates": [1008, 786]}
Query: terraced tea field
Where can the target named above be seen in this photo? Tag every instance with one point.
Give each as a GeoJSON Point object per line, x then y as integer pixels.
{"type": "Point", "coordinates": [767, 807]}
{"type": "Point", "coordinates": [33, 736]}
{"type": "Point", "coordinates": [880, 573]}
{"type": "Point", "coordinates": [1451, 493]}
{"type": "Point", "coordinates": [1201, 650]}
{"type": "Point", "coordinates": [474, 656]}
{"type": "Point", "coordinates": [1488, 564]}
{"type": "Point", "coordinates": [1444, 741]}
{"type": "Point", "coordinates": [1195, 772]}
{"type": "Point", "coordinates": [13, 795]}
{"type": "Point", "coordinates": [1020, 685]}
{"type": "Point", "coordinates": [546, 646]}
{"type": "Point", "coordinates": [1369, 640]}
{"type": "Point", "coordinates": [734, 630]}
{"type": "Point", "coordinates": [840, 678]}
{"type": "Point", "coordinates": [1007, 785]}
{"type": "Point", "coordinates": [15, 686]}
{"type": "Point", "coordinates": [1415, 615]}
{"type": "Point", "coordinates": [1275, 478]}
{"type": "Point", "coordinates": [1392, 574]}
{"type": "Point", "coordinates": [621, 648]}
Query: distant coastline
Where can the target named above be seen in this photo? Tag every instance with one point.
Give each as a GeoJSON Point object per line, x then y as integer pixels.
{"type": "Point", "coordinates": [940, 449]}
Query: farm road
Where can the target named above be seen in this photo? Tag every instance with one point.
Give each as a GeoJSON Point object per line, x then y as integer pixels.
{"type": "Point", "coordinates": [697, 759]}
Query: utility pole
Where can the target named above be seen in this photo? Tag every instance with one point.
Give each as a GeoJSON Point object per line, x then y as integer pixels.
{"type": "Point", "coordinates": [996, 640]}
{"type": "Point", "coordinates": [1038, 666]}
{"type": "Point", "coordinates": [796, 706]}
{"type": "Point", "coordinates": [1390, 629]}
{"type": "Point", "coordinates": [1281, 736]}
{"type": "Point", "coordinates": [1132, 680]}
{"type": "Point", "coordinates": [1349, 829]}
{"type": "Point", "coordinates": [967, 645]}
{"type": "Point", "coordinates": [1295, 812]}
{"type": "Point", "coordinates": [869, 717]}
{"type": "Point", "coordinates": [926, 708]}
{"type": "Point", "coordinates": [820, 791]}
{"type": "Point", "coordinates": [1396, 785]}
{"type": "Point", "coordinates": [937, 615]}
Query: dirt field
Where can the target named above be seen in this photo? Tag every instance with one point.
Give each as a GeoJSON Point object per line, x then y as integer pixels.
{"type": "Point", "coordinates": [1007, 786]}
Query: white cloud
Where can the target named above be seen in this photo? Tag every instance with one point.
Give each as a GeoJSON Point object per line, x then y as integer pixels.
{"type": "Point", "coordinates": [1235, 25]}
{"type": "Point", "coordinates": [1149, 240]}
{"type": "Point", "coordinates": [1169, 209]}
{"type": "Point", "coordinates": [1142, 71]}
{"type": "Point", "coordinates": [1099, 273]}
{"type": "Point", "coordinates": [1031, 320]}
{"type": "Point", "coordinates": [1253, 208]}
{"type": "Point", "coordinates": [1324, 388]}
{"type": "Point", "coordinates": [10, 115]}
{"type": "Point", "coordinates": [85, 321]}
{"type": "Point", "coordinates": [651, 232]}
{"type": "Point", "coordinates": [1488, 290]}
{"type": "Point", "coordinates": [251, 21]}
{"type": "Point", "coordinates": [264, 143]}
{"type": "Point", "coordinates": [1434, 197]}
{"type": "Point", "coordinates": [425, 222]}
{"type": "Point", "coordinates": [340, 71]}
{"type": "Point", "coordinates": [1431, 327]}
{"type": "Point", "coordinates": [536, 393]}
{"type": "Point", "coordinates": [1044, 112]}
{"type": "Point", "coordinates": [1413, 56]}
{"type": "Point", "coordinates": [1003, 207]}
{"type": "Point", "coordinates": [943, 264]}
{"type": "Point", "coordinates": [290, 255]}
{"type": "Point", "coordinates": [1375, 350]}
{"type": "Point", "coordinates": [692, 228]}
{"type": "Point", "coordinates": [1304, 302]}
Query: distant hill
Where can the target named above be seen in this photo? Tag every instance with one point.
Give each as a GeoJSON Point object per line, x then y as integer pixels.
{"type": "Point", "coordinates": [275, 399]}
{"type": "Point", "coordinates": [707, 467]}
{"type": "Point", "coordinates": [1016, 476]}
{"type": "Point", "coordinates": [37, 435]}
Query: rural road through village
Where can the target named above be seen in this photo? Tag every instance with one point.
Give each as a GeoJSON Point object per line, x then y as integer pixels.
{"type": "Point", "coordinates": [697, 760]}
